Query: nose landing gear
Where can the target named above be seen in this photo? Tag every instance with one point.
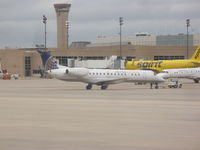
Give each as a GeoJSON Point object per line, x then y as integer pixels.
{"type": "Point", "coordinates": [196, 81]}
{"type": "Point", "coordinates": [156, 85]}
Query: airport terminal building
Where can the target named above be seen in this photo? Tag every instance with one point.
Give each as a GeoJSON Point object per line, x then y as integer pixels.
{"type": "Point", "coordinates": [27, 62]}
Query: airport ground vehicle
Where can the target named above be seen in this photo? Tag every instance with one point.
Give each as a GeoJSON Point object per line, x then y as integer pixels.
{"type": "Point", "coordinates": [6, 76]}
{"type": "Point", "coordinates": [174, 84]}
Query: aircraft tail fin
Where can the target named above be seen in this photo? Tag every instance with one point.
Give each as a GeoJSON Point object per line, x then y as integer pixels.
{"type": "Point", "coordinates": [196, 55]}
{"type": "Point", "coordinates": [48, 61]}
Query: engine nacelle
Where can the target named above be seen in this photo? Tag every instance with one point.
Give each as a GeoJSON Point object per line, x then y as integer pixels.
{"type": "Point", "coordinates": [77, 71]}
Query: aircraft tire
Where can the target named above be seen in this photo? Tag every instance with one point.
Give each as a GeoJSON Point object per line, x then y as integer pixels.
{"type": "Point", "coordinates": [89, 87]}
{"type": "Point", "coordinates": [104, 87]}
{"type": "Point", "coordinates": [196, 81]}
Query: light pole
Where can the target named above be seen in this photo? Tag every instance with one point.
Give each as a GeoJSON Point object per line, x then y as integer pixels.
{"type": "Point", "coordinates": [187, 24]}
{"type": "Point", "coordinates": [45, 31]}
{"type": "Point", "coordinates": [121, 22]}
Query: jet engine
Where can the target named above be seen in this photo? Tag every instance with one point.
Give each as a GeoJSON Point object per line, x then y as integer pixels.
{"type": "Point", "coordinates": [76, 71]}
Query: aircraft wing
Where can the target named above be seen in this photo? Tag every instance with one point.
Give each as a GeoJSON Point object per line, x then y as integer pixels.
{"type": "Point", "coordinates": [196, 63]}
{"type": "Point", "coordinates": [111, 81]}
{"type": "Point", "coordinates": [156, 71]}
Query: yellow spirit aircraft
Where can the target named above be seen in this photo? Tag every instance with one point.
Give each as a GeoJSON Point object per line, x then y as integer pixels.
{"type": "Point", "coordinates": [160, 65]}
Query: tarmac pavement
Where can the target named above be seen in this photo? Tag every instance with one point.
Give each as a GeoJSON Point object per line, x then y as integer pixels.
{"type": "Point", "coordinates": [43, 114]}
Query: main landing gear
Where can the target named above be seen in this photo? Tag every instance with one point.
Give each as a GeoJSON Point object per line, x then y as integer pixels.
{"type": "Point", "coordinates": [104, 87]}
{"type": "Point", "coordinates": [89, 87]}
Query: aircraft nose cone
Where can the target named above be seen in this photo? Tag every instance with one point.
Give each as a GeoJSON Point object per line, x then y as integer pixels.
{"type": "Point", "coordinates": [160, 78]}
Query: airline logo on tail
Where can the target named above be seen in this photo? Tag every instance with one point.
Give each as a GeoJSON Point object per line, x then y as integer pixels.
{"type": "Point", "coordinates": [48, 61]}
{"type": "Point", "coordinates": [51, 64]}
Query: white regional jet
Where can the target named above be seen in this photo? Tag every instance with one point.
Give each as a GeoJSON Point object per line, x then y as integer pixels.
{"type": "Point", "coordinates": [100, 77]}
{"type": "Point", "coordinates": [189, 73]}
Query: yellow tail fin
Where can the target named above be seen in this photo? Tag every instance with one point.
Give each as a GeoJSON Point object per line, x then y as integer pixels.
{"type": "Point", "coordinates": [196, 55]}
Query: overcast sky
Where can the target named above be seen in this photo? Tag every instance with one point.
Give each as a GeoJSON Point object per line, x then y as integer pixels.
{"type": "Point", "coordinates": [21, 21]}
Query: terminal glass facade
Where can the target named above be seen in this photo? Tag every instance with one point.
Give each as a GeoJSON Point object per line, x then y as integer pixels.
{"type": "Point", "coordinates": [168, 57]}
{"type": "Point", "coordinates": [27, 66]}
{"type": "Point", "coordinates": [62, 60]}
{"type": "Point", "coordinates": [174, 40]}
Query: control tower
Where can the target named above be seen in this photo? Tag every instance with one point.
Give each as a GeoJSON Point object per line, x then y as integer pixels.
{"type": "Point", "coordinates": [62, 12]}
